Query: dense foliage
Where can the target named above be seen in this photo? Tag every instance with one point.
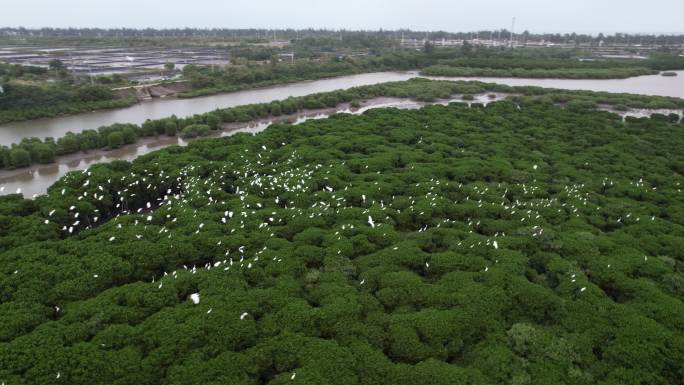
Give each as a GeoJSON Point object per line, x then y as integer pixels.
{"type": "Point", "coordinates": [465, 61]}
{"type": "Point", "coordinates": [46, 97]}
{"type": "Point", "coordinates": [508, 244]}
{"type": "Point", "coordinates": [35, 150]}
{"type": "Point", "coordinates": [15, 71]}
{"type": "Point", "coordinates": [564, 73]}
{"type": "Point", "coordinates": [30, 92]}
{"type": "Point", "coordinates": [28, 101]}
{"type": "Point", "coordinates": [550, 64]}
{"type": "Point", "coordinates": [207, 80]}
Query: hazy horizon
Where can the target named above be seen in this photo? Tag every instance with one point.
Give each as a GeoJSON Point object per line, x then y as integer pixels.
{"type": "Point", "coordinates": [580, 16]}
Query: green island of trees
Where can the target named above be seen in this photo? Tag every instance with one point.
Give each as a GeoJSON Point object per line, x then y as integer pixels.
{"type": "Point", "coordinates": [550, 65]}
{"type": "Point", "coordinates": [564, 73]}
{"type": "Point", "coordinates": [523, 242]}
{"type": "Point", "coordinates": [33, 92]}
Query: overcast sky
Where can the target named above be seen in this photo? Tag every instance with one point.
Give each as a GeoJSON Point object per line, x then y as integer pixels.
{"type": "Point", "coordinates": [587, 16]}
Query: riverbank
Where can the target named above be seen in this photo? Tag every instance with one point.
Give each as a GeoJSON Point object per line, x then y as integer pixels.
{"type": "Point", "coordinates": [161, 108]}
{"type": "Point", "coordinates": [257, 125]}
{"type": "Point", "coordinates": [181, 90]}
{"type": "Point", "coordinates": [58, 110]}
{"type": "Point", "coordinates": [35, 179]}
{"type": "Point", "coordinates": [558, 73]}
{"type": "Point", "coordinates": [153, 90]}
{"type": "Point", "coordinates": [34, 150]}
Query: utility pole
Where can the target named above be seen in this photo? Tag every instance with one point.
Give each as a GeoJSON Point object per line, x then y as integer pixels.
{"type": "Point", "coordinates": [90, 72]}
{"type": "Point", "coordinates": [71, 63]}
{"type": "Point", "coordinates": [510, 41]}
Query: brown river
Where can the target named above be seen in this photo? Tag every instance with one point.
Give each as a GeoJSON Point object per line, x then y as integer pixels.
{"type": "Point", "coordinates": [36, 179]}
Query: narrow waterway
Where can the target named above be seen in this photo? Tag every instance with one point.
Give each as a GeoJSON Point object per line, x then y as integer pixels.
{"type": "Point", "coordinates": [36, 179]}
{"type": "Point", "coordinates": [160, 108]}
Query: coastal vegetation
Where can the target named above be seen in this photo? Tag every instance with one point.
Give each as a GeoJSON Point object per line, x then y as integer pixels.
{"type": "Point", "coordinates": [31, 93]}
{"type": "Point", "coordinates": [545, 65]}
{"type": "Point", "coordinates": [466, 61]}
{"type": "Point", "coordinates": [559, 73]}
{"type": "Point", "coordinates": [36, 150]}
{"type": "Point", "coordinates": [528, 241]}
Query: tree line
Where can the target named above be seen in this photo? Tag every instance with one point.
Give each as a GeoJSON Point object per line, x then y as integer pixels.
{"type": "Point", "coordinates": [34, 92]}
{"type": "Point", "coordinates": [35, 150]}
{"type": "Point", "coordinates": [531, 64]}
{"type": "Point", "coordinates": [100, 34]}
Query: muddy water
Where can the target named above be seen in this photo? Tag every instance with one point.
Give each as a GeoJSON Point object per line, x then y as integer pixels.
{"type": "Point", "coordinates": [160, 108]}
{"type": "Point", "coordinates": [36, 179]}
{"type": "Point", "coordinates": [645, 85]}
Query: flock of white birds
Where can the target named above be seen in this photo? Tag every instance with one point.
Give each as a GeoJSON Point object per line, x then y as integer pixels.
{"type": "Point", "coordinates": [253, 188]}
{"type": "Point", "coordinates": [262, 206]}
